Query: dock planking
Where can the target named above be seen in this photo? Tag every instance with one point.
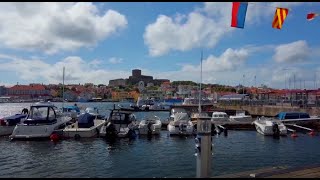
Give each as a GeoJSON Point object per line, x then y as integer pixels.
{"type": "Point", "coordinates": [311, 171]}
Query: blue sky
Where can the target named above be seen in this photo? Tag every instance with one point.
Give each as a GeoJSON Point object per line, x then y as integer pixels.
{"type": "Point", "coordinates": [100, 41]}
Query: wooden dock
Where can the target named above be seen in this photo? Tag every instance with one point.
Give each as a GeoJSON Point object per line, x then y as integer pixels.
{"type": "Point", "coordinates": [311, 171]}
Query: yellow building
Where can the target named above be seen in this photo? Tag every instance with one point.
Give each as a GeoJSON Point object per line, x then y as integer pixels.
{"type": "Point", "coordinates": [122, 95]}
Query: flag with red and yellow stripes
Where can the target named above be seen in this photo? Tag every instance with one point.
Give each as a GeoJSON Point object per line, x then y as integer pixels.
{"type": "Point", "coordinates": [279, 17]}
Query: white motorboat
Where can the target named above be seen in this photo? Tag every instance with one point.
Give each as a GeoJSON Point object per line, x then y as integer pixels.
{"type": "Point", "coordinates": [219, 117]}
{"type": "Point", "coordinates": [88, 125]}
{"type": "Point", "coordinates": [119, 124]}
{"type": "Point", "coordinates": [181, 124]}
{"type": "Point", "coordinates": [150, 104]}
{"type": "Point", "coordinates": [241, 117]}
{"type": "Point", "coordinates": [270, 126]}
{"type": "Point", "coordinates": [149, 125]}
{"type": "Point", "coordinates": [7, 124]}
{"type": "Point", "coordinates": [43, 119]}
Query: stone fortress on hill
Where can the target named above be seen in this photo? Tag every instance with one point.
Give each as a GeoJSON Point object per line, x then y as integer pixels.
{"type": "Point", "coordinates": [135, 78]}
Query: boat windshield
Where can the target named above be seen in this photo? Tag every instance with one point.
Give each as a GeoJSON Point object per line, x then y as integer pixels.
{"type": "Point", "coordinates": [39, 113]}
{"type": "Point", "coordinates": [178, 110]}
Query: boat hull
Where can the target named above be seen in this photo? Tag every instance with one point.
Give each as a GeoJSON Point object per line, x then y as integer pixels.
{"type": "Point", "coordinates": [6, 130]}
{"type": "Point", "coordinates": [73, 131]}
{"type": "Point", "coordinates": [267, 130]}
{"type": "Point", "coordinates": [154, 128]}
{"type": "Point", "coordinates": [24, 131]}
{"type": "Point", "coordinates": [174, 130]}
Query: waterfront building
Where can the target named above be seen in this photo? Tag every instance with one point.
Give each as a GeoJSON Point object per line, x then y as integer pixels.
{"type": "Point", "coordinates": [118, 82]}
{"type": "Point", "coordinates": [124, 95]}
{"type": "Point", "coordinates": [28, 91]}
{"type": "Point", "coordinates": [135, 78]}
{"type": "Point", "coordinates": [3, 90]}
{"type": "Point", "coordinates": [184, 91]}
{"type": "Point", "coordinates": [71, 96]}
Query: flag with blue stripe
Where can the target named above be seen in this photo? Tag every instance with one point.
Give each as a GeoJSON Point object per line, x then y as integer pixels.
{"type": "Point", "coordinates": [239, 11]}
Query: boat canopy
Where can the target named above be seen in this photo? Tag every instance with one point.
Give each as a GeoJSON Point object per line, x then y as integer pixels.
{"type": "Point", "coordinates": [119, 117]}
{"type": "Point", "coordinates": [15, 119]}
{"type": "Point", "coordinates": [41, 113]}
{"type": "Point", "coordinates": [178, 110]}
{"type": "Point", "coordinates": [86, 120]}
{"type": "Point", "coordinates": [181, 116]}
{"type": "Point", "coordinates": [292, 115]}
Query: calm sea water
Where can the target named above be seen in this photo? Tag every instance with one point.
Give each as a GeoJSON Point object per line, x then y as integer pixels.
{"type": "Point", "coordinates": [161, 156]}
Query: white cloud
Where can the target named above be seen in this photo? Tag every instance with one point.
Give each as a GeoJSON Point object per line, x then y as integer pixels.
{"type": "Point", "coordinates": [229, 60]}
{"type": "Point", "coordinates": [53, 26]}
{"type": "Point", "coordinates": [292, 52]}
{"type": "Point", "coordinates": [168, 34]}
{"type": "Point", "coordinates": [115, 60]}
{"type": "Point", "coordinates": [204, 27]}
{"type": "Point", "coordinates": [77, 70]}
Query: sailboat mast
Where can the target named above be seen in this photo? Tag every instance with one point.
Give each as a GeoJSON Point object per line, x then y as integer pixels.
{"type": "Point", "coordinates": [200, 83]}
{"type": "Point", "coordinates": [63, 88]}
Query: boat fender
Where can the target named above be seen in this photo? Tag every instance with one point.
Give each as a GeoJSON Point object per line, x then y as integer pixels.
{"type": "Point", "coordinates": [312, 133]}
{"type": "Point", "coordinates": [294, 135]}
{"type": "Point", "coordinates": [54, 137]}
{"type": "Point", "coordinates": [77, 137]}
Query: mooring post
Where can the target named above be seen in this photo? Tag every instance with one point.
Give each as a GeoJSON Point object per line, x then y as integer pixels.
{"type": "Point", "coordinates": [203, 143]}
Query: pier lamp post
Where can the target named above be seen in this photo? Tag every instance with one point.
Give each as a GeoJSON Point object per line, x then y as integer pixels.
{"type": "Point", "coordinates": [203, 146]}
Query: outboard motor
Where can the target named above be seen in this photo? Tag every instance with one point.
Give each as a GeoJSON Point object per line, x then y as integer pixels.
{"type": "Point", "coordinates": [275, 129]}
{"type": "Point", "coordinates": [111, 131]}
{"type": "Point", "coordinates": [181, 128]}
{"type": "Point", "coordinates": [132, 134]}
{"type": "Point", "coordinates": [149, 125]}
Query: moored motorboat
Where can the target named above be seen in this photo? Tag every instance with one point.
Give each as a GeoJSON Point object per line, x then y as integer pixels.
{"type": "Point", "coordinates": [180, 125]}
{"type": "Point", "coordinates": [219, 117]}
{"type": "Point", "coordinates": [270, 126]}
{"type": "Point", "coordinates": [241, 117]}
{"type": "Point", "coordinates": [43, 119]}
{"type": "Point", "coordinates": [150, 125]}
{"type": "Point", "coordinates": [119, 124]}
{"type": "Point", "coordinates": [88, 125]}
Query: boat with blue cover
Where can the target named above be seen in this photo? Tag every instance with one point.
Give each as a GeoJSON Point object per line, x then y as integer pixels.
{"type": "Point", "coordinates": [88, 125]}
{"type": "Point", "coordinates": [7, 124]}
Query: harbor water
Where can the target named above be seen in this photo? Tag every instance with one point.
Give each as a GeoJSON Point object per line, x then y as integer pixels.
{"type": "Point", "coordinates": [159, 156]}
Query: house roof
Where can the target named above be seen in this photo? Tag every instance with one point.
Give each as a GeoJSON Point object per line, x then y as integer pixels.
{"type": "Point", "coordinates": [36, 87]}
